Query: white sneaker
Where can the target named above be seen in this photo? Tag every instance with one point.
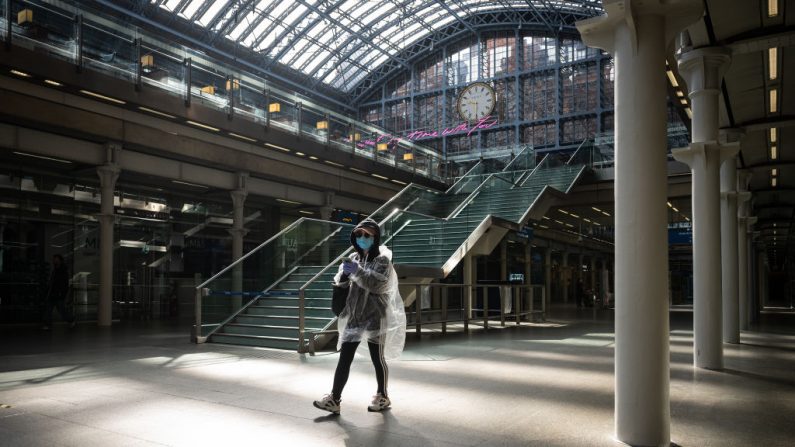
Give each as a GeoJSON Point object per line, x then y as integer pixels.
{"type": "Point", "coordinates": [380, 403]}
{"type": "Point", "coordinates": [329, 404]}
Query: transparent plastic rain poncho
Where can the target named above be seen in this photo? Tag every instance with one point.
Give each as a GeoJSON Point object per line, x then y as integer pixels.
{"type": "Point", "coordinates": [374, 309]}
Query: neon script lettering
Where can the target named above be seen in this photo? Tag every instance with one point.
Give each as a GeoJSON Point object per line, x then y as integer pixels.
{"type": "Point", "coordinates": [482, 124]}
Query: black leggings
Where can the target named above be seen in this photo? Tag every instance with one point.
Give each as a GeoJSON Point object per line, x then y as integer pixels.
{"type": "Point", "coordinates": [344, 367]}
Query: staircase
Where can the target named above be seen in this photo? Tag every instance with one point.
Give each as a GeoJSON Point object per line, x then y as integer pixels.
{"type": "Point", "coordinates": [284, 286]}
{"type": "Point", "coordinates": [272, 318]}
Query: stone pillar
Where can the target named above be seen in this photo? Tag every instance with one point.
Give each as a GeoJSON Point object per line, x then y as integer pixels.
{"type": "Point", "coordinates": [703, 69]}
{"type": "Point", "coordinates": [637, 34]}
{"type": "Point", "coordinates": [108, 174]}
{"type": "Point", "coordinates": [238, 233]}
{"type": "Point", "coordinates": [744, 221]}
{"type": "Point", "coordinates": [593, 275]}
{"type": "Point", "coordinates": [728, 238]}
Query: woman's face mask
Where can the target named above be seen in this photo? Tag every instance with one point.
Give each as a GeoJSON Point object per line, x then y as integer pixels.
{"type": "Point", "coordinates": [364, 242]}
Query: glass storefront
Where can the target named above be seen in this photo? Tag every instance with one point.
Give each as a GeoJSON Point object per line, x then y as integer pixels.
{"type": "Point", "coordinates": [165, 242]}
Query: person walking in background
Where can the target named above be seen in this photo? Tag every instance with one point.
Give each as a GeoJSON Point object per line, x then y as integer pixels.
{"type": "Point", "coordinates": [373, 312]}
{"type": "Point", "coordinates": [57, 291]}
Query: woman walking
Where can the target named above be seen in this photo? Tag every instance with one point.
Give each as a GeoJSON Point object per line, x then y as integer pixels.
{"type": "Point", "coordinates": [373, 312]}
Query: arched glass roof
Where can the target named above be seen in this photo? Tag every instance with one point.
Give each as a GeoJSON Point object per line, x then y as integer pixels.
{"type": "Point", "coordinates": [340, 42]}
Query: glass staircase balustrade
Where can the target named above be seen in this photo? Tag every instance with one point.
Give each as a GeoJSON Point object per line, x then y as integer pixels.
{"type": "Point", "coordinates": [255, 299]}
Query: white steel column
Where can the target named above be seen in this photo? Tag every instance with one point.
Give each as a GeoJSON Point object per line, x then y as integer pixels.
{"type": "Point", "coordinates": [743, 225]}
{"type": "Point", "coordinates": [238, 233]}
{"type": "Point", "coordinates": [637, 33]}
{"type": "Point", "coordinates": [703, 69]}
{"type": "Point", "coordinates": [728, 249]}
{"type": "Point", "coordinates": [108, 174]}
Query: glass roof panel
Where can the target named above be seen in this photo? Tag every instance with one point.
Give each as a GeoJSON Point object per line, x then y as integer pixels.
{"type": "Point", "coordinates": [170, 4]}
{"type": "Point", "coordinates": [191, 9]}
{"type": "Point", "coordinates": [341, 43]}
{"type": "Point", "coordinates": [210, 14]}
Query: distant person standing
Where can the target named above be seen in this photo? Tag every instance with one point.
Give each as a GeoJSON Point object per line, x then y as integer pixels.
{"type": "Point", "coordinates": [57, 291]}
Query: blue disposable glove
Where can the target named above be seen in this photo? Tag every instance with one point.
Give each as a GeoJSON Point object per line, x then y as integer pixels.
{"type": "Point", "coordinates": [349, 267]}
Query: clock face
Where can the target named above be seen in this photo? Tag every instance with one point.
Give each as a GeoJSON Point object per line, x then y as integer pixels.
{"type": "Point", "coordinates": [476, 101]}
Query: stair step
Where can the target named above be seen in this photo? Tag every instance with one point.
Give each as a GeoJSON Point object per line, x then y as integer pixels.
{"type": "Point", "coordinates": [255, 340]}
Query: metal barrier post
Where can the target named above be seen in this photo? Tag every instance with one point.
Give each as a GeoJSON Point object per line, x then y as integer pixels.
{"type": "Point", "coordinates": [467, 298]}
{"type": "Point", "coordinates": [485, 304]}
{"type": "Point", "coordinates": [502, 305]}
{"type": "Point", "coordinates": [444, 309]}
{"type": "Point", "coordinates": [418, 306]}
{"type": "Point", "coordinates": [198, 315]}
{"type": "Point", "coordinates": [301, 313]}
{"type": "Point", "coordinates": [517, 302]}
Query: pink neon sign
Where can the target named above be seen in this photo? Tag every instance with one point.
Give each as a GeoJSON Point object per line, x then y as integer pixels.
{"type": "Point", "coordinates": [417, 135]}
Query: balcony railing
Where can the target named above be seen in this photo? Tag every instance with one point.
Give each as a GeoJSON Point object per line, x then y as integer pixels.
{"type": "Point", "coordinates": [92, 41]}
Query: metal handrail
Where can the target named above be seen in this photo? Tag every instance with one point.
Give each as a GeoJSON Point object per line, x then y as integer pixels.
{"type": "Point", "coordinates": [525, 148]}
{"type": "Point", "coordinates": [537, 168]}
{"type": "Point", "coordinates": [577, 151]}
{"type": "Point", "coordinates": [466, 174]}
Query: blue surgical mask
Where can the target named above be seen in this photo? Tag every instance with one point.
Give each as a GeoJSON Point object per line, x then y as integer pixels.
{"type": "Point", "coordinates": [364, 242]}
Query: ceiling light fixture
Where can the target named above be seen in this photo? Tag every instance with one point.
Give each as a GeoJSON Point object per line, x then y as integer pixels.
{"type": "Point", "coordinates": [773, 152]}
{"type": "Point", "coordinates": [773, 100]}
{"type": "Point", "coordinates": [291, 202]}
{"type": "Point", "coordinates": [672, 78]}
{"type": "Point", "coordinates": [203, 126]}
{"type": "Point", "coordinates": [20, 73]}
{"type": "Point", "coordinates": [195, 185]}
{"type": "Point", "coordinates": [278, 147]}
{"type": "Point", "coordinates": [380, 176]}
{"type": "Point", "coordinates": [242, 137]}
{"type": "Point", "coordinates": [772, 56]}
{"type": "Point", "coordinates": [43, 157]}
{"type": "Point", "coordinates": [773, 134]}
{"type": "Point", "coordinates": [106, 98]}
{"type": "Point", "coordinates": [333, 163]}
{"type": "Point", "coordinates": [154, 112]}
{"type": "Point", "coordinates": [53, 83]}
{"type": "Point", "coordinates": [772, 8]}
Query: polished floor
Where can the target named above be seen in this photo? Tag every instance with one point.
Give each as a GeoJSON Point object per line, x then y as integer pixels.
{"type": "Point", "coordinates": [548, 384]}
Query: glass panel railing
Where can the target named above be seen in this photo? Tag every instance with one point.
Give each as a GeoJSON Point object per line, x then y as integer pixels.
{"type": "Point", "coordinates": [305, 243]}
{"type": "Point", "coordinates": [107, 51]}
{"type": "Point", "coordinates": [112, 46]}
{"type": "Point", "coordinates": [524, 159]}
{"type": "Point", "coordinates": [163, 70]}
{"type": "Point", "coordinates": [249, 101]}
{"type": "Point", "coordinates": [44, 28]}
{"type": "Point", "coordinates": [208, 87]}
